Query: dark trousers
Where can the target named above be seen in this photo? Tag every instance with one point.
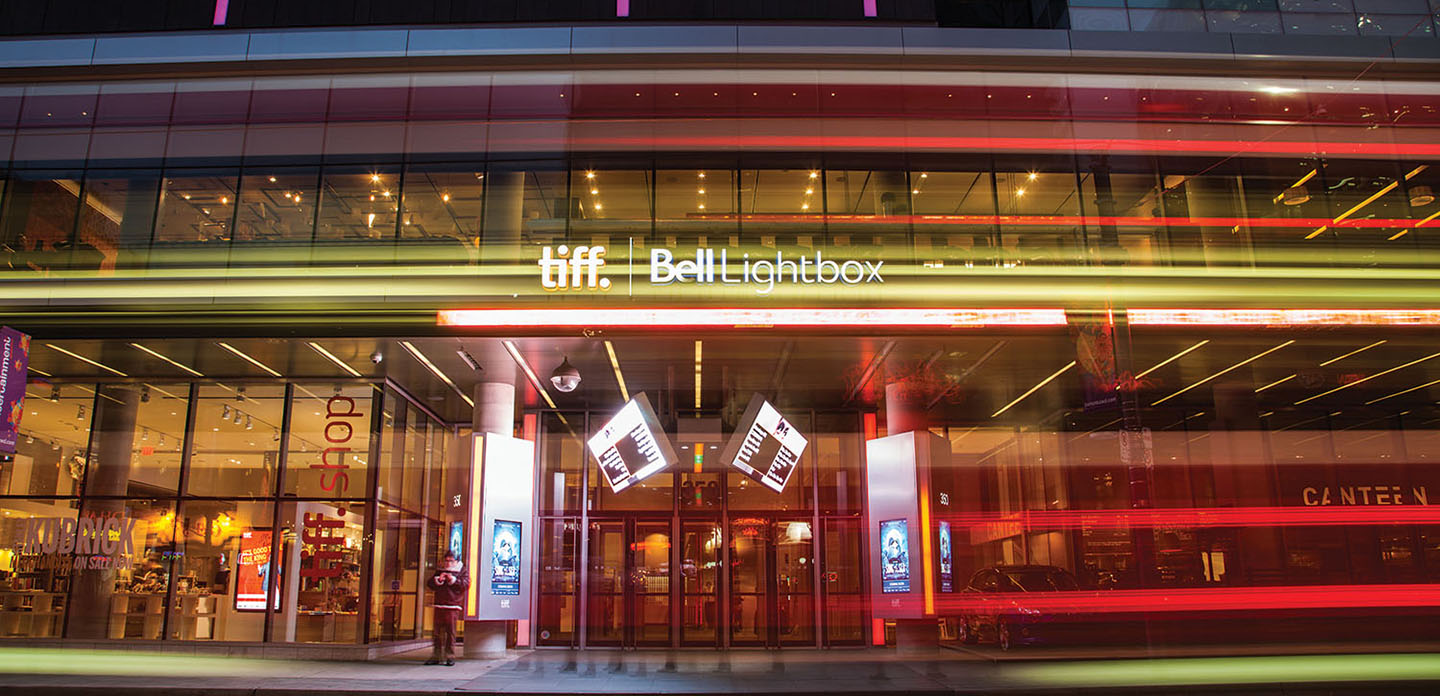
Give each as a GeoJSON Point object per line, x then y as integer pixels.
{"type": "Point", "coordinates": [444, 633]}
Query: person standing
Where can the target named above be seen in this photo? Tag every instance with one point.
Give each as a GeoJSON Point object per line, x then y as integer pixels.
{"type": "Point", "coordinates": [449, 582]}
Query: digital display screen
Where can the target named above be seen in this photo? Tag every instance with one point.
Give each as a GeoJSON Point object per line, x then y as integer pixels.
{"type": "Point", "coordinates": [894, 556]}
{"type": "Point", "coordinates": [457, 539]}
{"type": "Point", "coordinates": [631, 446]}
{"type": "Point", "coordinates": [252, 571]}
{"type": "Point", "coordinates": [945, 573]}
{"type": "Point", "coordinates": [766, 446]}
{"type": "Point", "coordinates": [505, 558]}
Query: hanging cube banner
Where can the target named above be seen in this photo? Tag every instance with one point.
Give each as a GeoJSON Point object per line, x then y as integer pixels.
{"type": "Point", "coordinates": [632, 446]}
{"type": "Point", "coordinates": [765, 446]}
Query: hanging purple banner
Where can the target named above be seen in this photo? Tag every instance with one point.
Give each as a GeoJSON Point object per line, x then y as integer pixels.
{"type": "Point", "coordinates": [15, 350]}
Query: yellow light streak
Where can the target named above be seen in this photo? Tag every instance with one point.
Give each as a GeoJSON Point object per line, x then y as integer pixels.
{"type": "Point", "coordinates": [1034, 389]}
{"type": "Point", "coordinates": [1367, 379]}
{"type": "Point", "coordinates": [84, 359]}
{"type": "Point", "coordinates": [1353, 352]}
{"type": "Point", "coordinates": [1236, 366]}
{"type": "Point", "coordinates": [1373, 197]}
{"type": "Point", "coordinates": [1276, 383]}
{"type": "Point", "coordinates": [698, 362]}
{"type": "Point", "coordinates": [1300, 182]}
{"type": "Point", "coordinates": [1403, 391]}
{"type": "Point", "coordinates": [1397, 235]}
{"type": "Point", "coordinates": [331, 357]}
{"type": "Point", "coordinates": [248, 359]}
{"type": "Point", "coordinates": [615, 365]}
{"type": "Point", "coordinates": [436, 371]}
{"type": "Point", "coordinates": [1171, 359]}
{"type": "Point", "coordinates": [529, 373]}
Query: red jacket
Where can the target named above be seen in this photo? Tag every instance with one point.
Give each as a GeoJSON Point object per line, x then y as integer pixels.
{"type": "Point", "coordinates": [450, 594]}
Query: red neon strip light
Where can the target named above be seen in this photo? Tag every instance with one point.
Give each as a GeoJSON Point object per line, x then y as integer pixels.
{"type": "Point", "coordinates": [222, 8]}
{"type": "Point", "coordinates": [1201, 599]}
{"type": "Point", "coordinates": [1070, 220]}
{"type": "Point", "coordinates": [789, 317]}
{"type": "Point", "coordinates": [1284, 317]}
{"type": "Point", "coordinates": [1009, 524]}
{"type": "Point", "coordinates": [902, 143]}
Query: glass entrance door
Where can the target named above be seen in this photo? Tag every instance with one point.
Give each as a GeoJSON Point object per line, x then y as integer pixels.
{"type": "Point", "coordinates": [629, 583]}
{"type": "Point", "coordinates": [772, 583]}
{"type": "Point", "coordinates": [700, 552]}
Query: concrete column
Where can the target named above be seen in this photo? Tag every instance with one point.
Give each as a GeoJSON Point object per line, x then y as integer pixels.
{"type": "Point", "coordinates": [107, 473]}
{"type": "Point", "coordinates": [494, 413]}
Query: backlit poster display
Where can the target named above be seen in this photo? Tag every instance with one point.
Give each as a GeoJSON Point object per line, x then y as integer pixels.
{"type": "Point", "coordinates": [457, 539]}
{"type": "Point", "coordinates": [765, 446]}
{"type": "Point", "coordinates": [505, 558]}
{"type": "Point", "coordinates": [894, 556]}
{"type": "Point", "coordinates": [252, 571]}
{"type": "Point", "coordinates": [632, 446]}
{"type": "Point", "coordinates": [945, 575]}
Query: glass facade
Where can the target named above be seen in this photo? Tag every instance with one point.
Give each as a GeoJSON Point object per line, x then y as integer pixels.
{"type": "Point", "coordinates": [171, 511]}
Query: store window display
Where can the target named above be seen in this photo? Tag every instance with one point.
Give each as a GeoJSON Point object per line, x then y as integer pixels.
{"type": "Point", "coordinates": [225, 572]}
{"type": "Point", "coordinates": [320, 556]}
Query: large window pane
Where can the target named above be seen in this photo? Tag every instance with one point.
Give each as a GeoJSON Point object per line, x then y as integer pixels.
{"type": "Point", "coordinates": [122, 590]}
{"type": "Point", "coordinates": [237, 440]}
{"type": "Point", "coordinates": [329, 448]}
{"type": "Point", "coordinates": [54, 435]}
{"type": "Point", "coordinates": [225, 572]}
{"type": "Point", "coordinates": [443, 210]}
{"type": "Point", "coordinates": [277, 205]}
{"type": "Point", "coordinates": [138, 436]}
{"type": "Point", "coordinates": [34, 577]}
{"type": "Point", "coordinates": [39, 219]}
{"type": "Point", "coordinates": [196, 206]}
{"type": "Point", "coordinates": [320, 563]}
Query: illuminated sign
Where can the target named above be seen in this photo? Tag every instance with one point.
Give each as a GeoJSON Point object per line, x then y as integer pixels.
{"type": "Point", "coordinates": [580, 268]}
{"type": "Point", "coordinates": [766, 447]}
{"type": "Point", "coordinates": [946, 574]}
{"type": "Point", "coordinates": [252, 571]}
{"type": "Point", "coordinates": [632, 446]}
{"type": "Point", "coordinates": [894, 556]}
{"type": "Point", "coordinates": [505, 558]}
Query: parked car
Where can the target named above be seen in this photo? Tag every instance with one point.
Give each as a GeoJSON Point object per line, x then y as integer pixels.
{"type": "Point", "coordinates": [999, 611]}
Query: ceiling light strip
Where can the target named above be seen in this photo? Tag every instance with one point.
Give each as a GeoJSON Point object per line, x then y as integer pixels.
{"type": "Point", "coordinates": [1363, 380]}
{"type": "Point", "coordinates": [248, 359]}
{"type": "Point", "coordinates": [1405, 391]}
{"type": "Point", "coordinates": [331, 357]}
{"type": "Point", "coordinates": [756, 317]}
{"type": "Point", "coordinates": [1353, 352]}
{"type": "Point", "coordinates": [84, 359]}
{"type": "Point", "coordinates": [529, 373]}
{"type": "Point", "coordinates": [1236, 366]}
{"type": "Point", "coordinates": [1034, 389]}
{"type": "Point", "coordinates": [150, 352]}
{"type": "Point", "coordinates": [1276, 383]}
{"type": "Point", "coordinates": [410, 348]}
{"type": "Point", "coordinates": [1171, 359]}
{"type": "Point", "coordinates": [615, 365]}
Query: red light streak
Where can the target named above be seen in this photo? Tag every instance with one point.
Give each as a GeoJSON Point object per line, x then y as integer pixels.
{"type": "Point", "coordinates": [1069, 220]}
{"type": "Point", "coordinates": [1284, 317]}
{"type": "Point", "coordinates": [1009, 524]}
{"type": "Point", "coordinates": [1197, 599]}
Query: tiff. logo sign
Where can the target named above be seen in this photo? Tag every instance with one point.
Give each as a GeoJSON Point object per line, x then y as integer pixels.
{"type": "Point", "coordinates": [563, 270]}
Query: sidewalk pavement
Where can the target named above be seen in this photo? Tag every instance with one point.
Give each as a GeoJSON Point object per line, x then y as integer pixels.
{"type": "Point", "coordinates": [795, 673]}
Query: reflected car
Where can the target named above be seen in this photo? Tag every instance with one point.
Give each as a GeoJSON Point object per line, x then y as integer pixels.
{"type": "Point", "coordinates": [998, 612]}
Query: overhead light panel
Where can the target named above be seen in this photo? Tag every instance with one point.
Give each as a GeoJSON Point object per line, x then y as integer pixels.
{"type": "Point", "coordinates": [529, 372]}
{"type": "Point", "coordinates": [615, 365]}
{"type": "Point", "coordinates": [409, 347]}
{"type": "Point", "coordinates": [1276, 383]}
{"type": "Point", "coordinates": [152, 353]}
{"type": "Point", "coordinates": [1236, 366]}
{"type": "Point", "coordinates": [241, 354]}
{"type": "Point", "coordinates": [84, 359]}
{"type": "Point", "coordinates": [1403, 391]}
{"type": "Point", "coordinates": [1034, 389]}
{"type": "Point", "coordinates": [1363, 380]}
{"type": "Point", "coordinates": [1171, 359]}
{"type": "Point", "coordinates": [332, 358]}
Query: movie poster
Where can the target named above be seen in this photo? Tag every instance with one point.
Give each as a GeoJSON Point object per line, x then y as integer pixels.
{"type": "Point", "coordinates": [505, 558]}
{"type": "Point", "coordinates": [765, 446]}
{"type": "Point", "coordinates": [945, 574]}
{"type": "Point", "coordinates": [457, 539]}
{"type": "Point", "coordinates": [894, 556]}
{"type": "Point", "coordinates": [632, 445]}
{"type": "Point", "coordinates": [252, 571]}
